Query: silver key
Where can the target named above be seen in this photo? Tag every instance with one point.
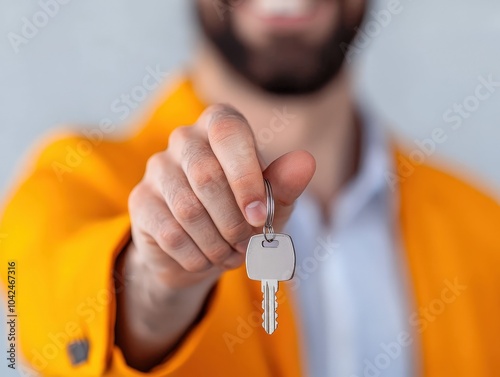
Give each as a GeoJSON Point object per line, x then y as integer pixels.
{"type": "Point", "coordinates": [270, 262]}
{"type": "Point", "coordinates": [270, 258]}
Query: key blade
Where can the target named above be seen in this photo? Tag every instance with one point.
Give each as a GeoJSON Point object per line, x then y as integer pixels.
{"type": "Point", "coordinates": [269, 304]}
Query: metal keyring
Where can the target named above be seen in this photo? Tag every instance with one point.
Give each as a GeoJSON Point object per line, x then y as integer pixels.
{"type": "Point", "coordinates": [267, 229]}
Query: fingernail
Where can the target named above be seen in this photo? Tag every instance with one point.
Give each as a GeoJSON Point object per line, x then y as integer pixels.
{"type": "Point", "coordinates": [256, 213]}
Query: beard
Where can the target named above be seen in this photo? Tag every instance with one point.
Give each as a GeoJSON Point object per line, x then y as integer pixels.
{"type": "Point", "coordinates": [287, 65]}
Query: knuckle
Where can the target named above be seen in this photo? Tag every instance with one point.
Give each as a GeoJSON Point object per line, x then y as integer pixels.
{"type": "Point", "coordinates": [155, 164]}
{"type": "Point", "coordinates": [173, 237]}
{"type": "Point", "coordinates": [238, 232]}
{"type": "Point", "coordinates": [223, 111]}
{"type": "Point", "coordinates": [158, 221]}
{"type": "Point", "coordinates": [169, 186]}
{"type": "Point", "coordinates": [179, 135]}
{"type": "Point", "coordinates": [136, 196]}
{"type": "Point", "coordinates": [222, 130]}
{"type": "Point", "coordinates": [205, 171]}
{"type": "Point", "coordinates": [200, 164]}
{"type": "Point", "coordinates": [206, 175]}
{"type": "Point", "coordinates": [188, 209]}
{"type": "Point", "coordinates": [133, 197]}
{"type": "Point", "coordinates": [196, 263]}
{"type": "Point", "coordinates": [195, 149]}
{"type": "Point", "coordinates": [220, 254]}
{"type": "Point", "coordinates": [225, 122]}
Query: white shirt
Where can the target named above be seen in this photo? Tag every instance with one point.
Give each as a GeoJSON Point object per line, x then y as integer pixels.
{"type": "Point", "coordinates": [351, 282]}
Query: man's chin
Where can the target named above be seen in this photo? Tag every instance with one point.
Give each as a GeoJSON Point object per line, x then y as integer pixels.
{"type": "Point", "coordinates": [291, 85]}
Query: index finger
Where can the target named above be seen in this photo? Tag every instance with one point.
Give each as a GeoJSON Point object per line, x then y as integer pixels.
{"type": "Point", "coordinates": [232, 141]}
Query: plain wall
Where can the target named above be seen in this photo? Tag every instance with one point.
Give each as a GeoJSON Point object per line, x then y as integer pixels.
{"type": "Point", "coordinates": [413, 69]}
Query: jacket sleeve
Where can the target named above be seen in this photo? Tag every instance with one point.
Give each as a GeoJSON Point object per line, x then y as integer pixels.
{"type": "Point", "coordinates": [63, 225]}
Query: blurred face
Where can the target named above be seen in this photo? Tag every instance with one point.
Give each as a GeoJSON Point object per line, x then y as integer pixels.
{"type": "Point", "coordinates": [282, 46]}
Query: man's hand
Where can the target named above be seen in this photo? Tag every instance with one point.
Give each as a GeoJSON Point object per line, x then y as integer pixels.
{"type": "Point", "coordinates": [192, 215]}
{"type": "Point", "coordinates": [203, 197]}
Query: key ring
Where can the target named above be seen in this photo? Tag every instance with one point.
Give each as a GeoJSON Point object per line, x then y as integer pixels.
{"type": "Point", "coordinates": [268, 229]}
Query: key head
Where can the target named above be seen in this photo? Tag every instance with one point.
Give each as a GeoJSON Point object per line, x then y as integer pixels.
{"type": "Point", "coordinates": [270, 260]}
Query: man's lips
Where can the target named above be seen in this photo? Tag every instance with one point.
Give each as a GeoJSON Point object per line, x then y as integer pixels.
{"type": "Point", "coordinates": [282, 9]}
{"type": "Point", "coordinates": [283, 14]}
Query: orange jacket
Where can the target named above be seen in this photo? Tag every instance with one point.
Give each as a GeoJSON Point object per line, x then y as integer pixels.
{"type": "Point", "coordinates": [66, 222]}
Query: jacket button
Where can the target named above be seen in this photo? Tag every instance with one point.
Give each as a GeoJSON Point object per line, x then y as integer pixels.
{"type": "Point", "coordinates": [78, 351]}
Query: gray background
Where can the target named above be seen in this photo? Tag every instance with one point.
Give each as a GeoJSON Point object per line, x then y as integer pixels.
{"type": "Point", "coordinates": [428, 57]}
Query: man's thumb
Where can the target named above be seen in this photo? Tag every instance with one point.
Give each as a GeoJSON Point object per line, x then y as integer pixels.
{"type": "Point", "coordinates": [289, 176]}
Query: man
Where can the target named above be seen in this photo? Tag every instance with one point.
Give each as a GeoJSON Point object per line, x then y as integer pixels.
{"type": "Point", "coordinates": [132, 261]}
